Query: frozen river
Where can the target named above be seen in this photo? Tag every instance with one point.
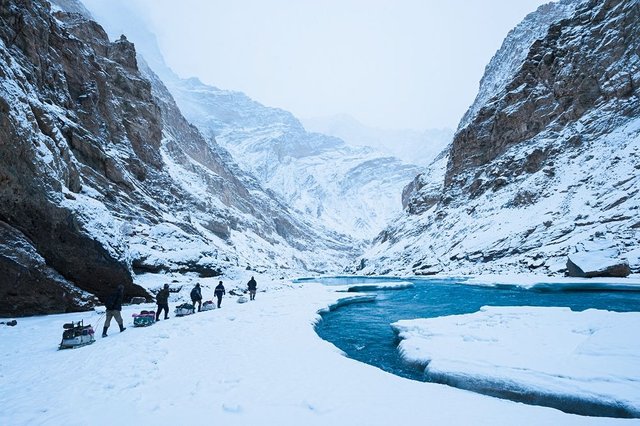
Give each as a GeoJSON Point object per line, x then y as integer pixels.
{"type": "Point", "coordinates": [364, 333]}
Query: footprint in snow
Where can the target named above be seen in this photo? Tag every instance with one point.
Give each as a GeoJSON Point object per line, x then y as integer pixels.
{"type": "Point", "coordinates": [232, 408]}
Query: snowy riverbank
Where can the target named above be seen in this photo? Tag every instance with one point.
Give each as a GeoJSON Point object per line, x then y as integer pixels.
{"type": "Point", "coordinates": [255, 363]}
{"type": "Point", "coordinates": [586, 362]}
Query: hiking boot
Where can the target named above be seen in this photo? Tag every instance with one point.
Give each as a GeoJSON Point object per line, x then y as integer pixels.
{"type": "Point", "coordinates": [122, 328]}
{"type": "Point", "coordinates": [104, 332]}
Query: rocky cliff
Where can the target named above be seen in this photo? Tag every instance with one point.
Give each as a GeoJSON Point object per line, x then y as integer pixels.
{"type": "Point", "coordinates": [546, 166]}
{"type": "Point", "coordinates": [102, 178]}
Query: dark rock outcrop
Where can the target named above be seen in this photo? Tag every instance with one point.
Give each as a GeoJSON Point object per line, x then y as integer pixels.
{"type": "Point", "coordinates": [545, 159]}
{"type": "Point", "coordinates": [596, 264]}
{"type": "Point", "coordinates": [29, 284]}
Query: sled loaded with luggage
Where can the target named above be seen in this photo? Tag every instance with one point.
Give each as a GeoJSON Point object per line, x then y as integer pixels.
{"type": "Point", "coordinates": [76, 334]}
{"type": "Point", "coordinates": [144, 319]}
{"type": "Point", "coordinates": [208, 305]}
{"type": "Point", "coordinates": [184, 309]}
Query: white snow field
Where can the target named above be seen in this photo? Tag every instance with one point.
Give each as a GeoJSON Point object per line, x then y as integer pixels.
{"type": "Point", "coordinates": [586, 361]}
{"type": "Point", "coordinates": [257, 363]}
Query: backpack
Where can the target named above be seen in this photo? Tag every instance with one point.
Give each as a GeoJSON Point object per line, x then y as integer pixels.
{"type": "Point", "coordinates": [195, 294]}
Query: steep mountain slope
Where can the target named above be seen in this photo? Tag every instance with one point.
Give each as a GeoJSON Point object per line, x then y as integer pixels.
{"type": "Point", "coordinates": [513, 52]}
{"type": "Point", "coordinates": [103, 177]}
{"type": "Point", "coordinates": [547, 166]}
{"type": "Point", "coordinates": [352, 190]}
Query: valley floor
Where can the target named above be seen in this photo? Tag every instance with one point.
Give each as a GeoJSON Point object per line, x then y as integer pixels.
{"type": "Point", "coordinates": [259, 362]}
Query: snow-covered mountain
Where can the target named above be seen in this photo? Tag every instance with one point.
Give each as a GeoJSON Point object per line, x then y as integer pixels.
{"type": "Point", "coordinates": [411, 146]}
{"type": "Point", "coordinates": [102, 177]}
{"type": "Point", "coordinates": [352, 190]}
{"type": "Point", "coordinates": [546, 163]}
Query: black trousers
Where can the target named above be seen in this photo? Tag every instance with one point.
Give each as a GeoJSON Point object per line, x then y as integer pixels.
{"type": "Point", "coordinates": [162, 307]}
{"type": "Point", "coordinates": [219, 296]}
{"type": "Point", "coordinates": [199, 302]}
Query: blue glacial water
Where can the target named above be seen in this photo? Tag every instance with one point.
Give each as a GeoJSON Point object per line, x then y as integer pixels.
{"type": "Point", "coordinates": [364, 333]}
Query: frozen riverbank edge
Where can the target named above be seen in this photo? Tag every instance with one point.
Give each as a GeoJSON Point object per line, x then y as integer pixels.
{"type": "Point", "coordinates": [580, 362]}
{"type": "Point", "coordinates": [254, 363]}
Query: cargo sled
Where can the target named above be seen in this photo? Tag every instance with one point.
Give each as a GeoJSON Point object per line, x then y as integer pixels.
{"type": "Point", "coordinates": [184, 309]}
{"type": "Point", "coordinates": [144, 319]}
{"type": "Point", "coordinates": [208, 305]}
{"type": "Point", "coordinates": [76, 335]}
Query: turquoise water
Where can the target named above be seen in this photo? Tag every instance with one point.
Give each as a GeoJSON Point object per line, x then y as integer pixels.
{"type": "Point", "coordinates": [363, 330]}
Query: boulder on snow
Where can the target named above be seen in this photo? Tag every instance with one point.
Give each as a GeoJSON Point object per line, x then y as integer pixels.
{"type": "Point", "coordinates": [633, 257]}
{"type": "Point", "coordinates": [600, 263]}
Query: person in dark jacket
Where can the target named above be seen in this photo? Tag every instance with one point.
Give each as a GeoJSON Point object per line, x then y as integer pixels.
{"type": "Point", "coordinates": [253, 286]}
{"type": "Point", "coordinates": [114, 306]}
{"type": "Point", "coordinates": [196, 297]}
{"type": "Point", "coordinates": [219, 292]}
{"type": "Point", "coordinates": [162, 299]}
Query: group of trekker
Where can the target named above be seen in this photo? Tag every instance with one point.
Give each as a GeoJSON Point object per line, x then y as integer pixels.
{"type": "Point", "coordinates": [114, 302]}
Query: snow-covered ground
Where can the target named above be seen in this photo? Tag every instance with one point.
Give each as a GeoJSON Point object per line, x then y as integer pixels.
{"type": "Point", "coordinates": [584, 361]}
{"type": "Point", "coordinates": [533, 281]}
{"type": "Point", "coordinates": [259, 362]}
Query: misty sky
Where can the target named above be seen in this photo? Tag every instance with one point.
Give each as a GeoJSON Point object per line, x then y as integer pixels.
{"type": "Point", "coordinates": [391, 64]}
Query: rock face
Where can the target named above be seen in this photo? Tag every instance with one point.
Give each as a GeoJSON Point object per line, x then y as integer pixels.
{"type": "Point", "coordinates": [513, 52]}
{"type": "Point", "coordinates": [101, 176]}
{"type": "Point", "coordinates": [548, 161]}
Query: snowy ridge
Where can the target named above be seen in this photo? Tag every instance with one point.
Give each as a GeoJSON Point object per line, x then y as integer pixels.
{"type": "Point", "coordinates": [357, 195]}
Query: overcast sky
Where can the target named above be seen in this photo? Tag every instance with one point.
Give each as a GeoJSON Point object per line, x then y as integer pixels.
{"type": "Point", "coordinates": [391, 64]}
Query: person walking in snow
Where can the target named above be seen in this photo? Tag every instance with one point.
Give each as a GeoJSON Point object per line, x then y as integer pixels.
{"type": "Point", "coordinates": [162, 299]}
{"type": "Point", "coordinates": [114, 306]}
{"type": "Point", "coordinates": [253, 286]}
{"type": "Point", "coordinates": [196, 297]}
{"type": "Point", "coordinates": [219, 292]}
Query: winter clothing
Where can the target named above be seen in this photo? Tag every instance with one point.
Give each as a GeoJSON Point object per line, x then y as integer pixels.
{"type": "Point", "coordinates": [114, 306]}
{"type": "Point", "coordinates": [196, 297]}
{"type": "Point", "coordinates": [253, 285]}
{"type": "Point", "coordinates": [163, 295]}
{"type": "Point", "coordinates": [114, 302]}
{"type": "Point", "coordinates": [219, 292]}
{"type": "Point", "coordinates": [162, 299]}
